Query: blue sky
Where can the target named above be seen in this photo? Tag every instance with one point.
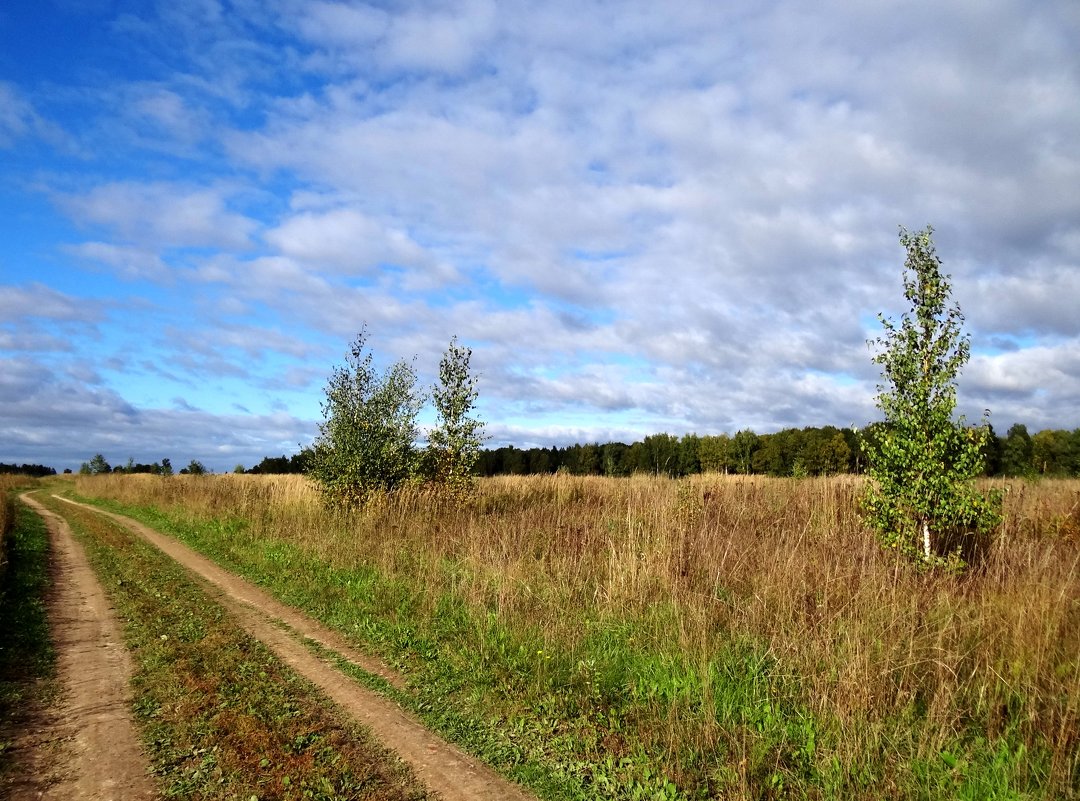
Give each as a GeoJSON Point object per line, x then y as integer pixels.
{"type": "Point", "coordinates": [641, 216]}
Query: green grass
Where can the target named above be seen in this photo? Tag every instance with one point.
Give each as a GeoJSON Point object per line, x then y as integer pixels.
{"type": "Point", "coordinates": [27, 659]}
{"type": "Point", "coordinates": [221, 716]}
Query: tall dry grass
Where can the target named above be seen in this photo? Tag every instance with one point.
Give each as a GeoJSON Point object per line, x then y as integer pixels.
{"type": "Point", "coordinates": [866, 636]}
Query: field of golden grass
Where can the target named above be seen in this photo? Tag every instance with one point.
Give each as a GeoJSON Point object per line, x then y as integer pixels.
{"type": "Point", "coordinates": [891, 661]}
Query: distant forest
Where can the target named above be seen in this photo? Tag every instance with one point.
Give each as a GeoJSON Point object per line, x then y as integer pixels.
{"type": "Point", "coordinates": [791, 452]}
{"type": "Point", "coordinates": [34, 470]}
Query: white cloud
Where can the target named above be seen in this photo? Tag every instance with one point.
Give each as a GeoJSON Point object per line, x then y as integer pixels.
{"type": "Point", "coordinates": [163, 215]}
{"type": "Point", "coordinates": [341, 25]}
{"type": "Point", "coordinates": [41, 301]}
{"type": "Point", "coordinates": [30, 339]}
{"type": "Point", "coordinates": [346, 240]}
{"type": "Point", "coordinates": [16, 115]}
{"type": "Point", "coordinates": [1037, 386]}
{"type": "Point", "coordinates": [253, 341]}
{"type": "Point", "coordinates": [418, 39]}
{"type": "Point", "coordinates": [165, 111]}
{"type": "Point", "coordinates": [444, 41]}
{"type": "Point", "coordinates": [1041, 301]}
{"type": "Point", "coordinates": [128, 262]}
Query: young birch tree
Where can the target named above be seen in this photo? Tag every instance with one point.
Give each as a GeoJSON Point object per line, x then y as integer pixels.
{"type": "Point", "coordinates": [921, 496]}
{"type": "Point", "coordinates": [455, 441]}
{"type": "Point", "coordinates": [367, 439]}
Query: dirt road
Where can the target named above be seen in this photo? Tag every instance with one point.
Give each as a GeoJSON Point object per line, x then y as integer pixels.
{"type": "Point", "coordinates": [442, 767]}
{"type": "Point", "coordinates": [86, 747]}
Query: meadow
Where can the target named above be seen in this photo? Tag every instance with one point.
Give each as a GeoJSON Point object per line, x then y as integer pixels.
{"type": "Point", "coordinates": [712, 637]}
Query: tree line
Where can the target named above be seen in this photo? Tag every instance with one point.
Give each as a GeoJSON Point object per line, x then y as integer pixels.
{"type": "Point", "coordinates": [98, 465]}
{"type": "Point", "coordinates": [32, 470]}
{"type": "Point", "coordinates": [811, 451]}
{"type": "Point", "coordinates": [792, 452]}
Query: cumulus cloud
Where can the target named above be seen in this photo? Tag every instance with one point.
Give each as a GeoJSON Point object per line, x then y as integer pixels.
{"type": "Point", "coordinates": [424, 38]}
{"type": "Point", "coordinates": [126, 261]}
{"type": "Point", "coordinates": [347, 240]}
{"type": "Point", "coordinates": [25, 338]}
{"type": "Point", "coordinates": [1043, 302]}
{"type": "Point", "coordinates": [1035, 385]}
{"type": "Point", "coordinates": [37, 300]}
{"type": "Point", "coordinates": [22, 121]}
{"type": "Point", "coordinates": [16, 114]}
{"type": "Point", "coordinates": [162, 215]}
{"type": "Point", "coordinates": [252, 341]}
{"type": "Point", "coordinates": [444, 41]}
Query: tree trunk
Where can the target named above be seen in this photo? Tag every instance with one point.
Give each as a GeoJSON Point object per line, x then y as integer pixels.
{"type": "Point", "coordinates": [926, 539]}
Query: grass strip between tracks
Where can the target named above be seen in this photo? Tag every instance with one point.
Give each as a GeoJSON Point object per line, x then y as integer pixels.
{"type": "Point", "coordinates": [221, 717]}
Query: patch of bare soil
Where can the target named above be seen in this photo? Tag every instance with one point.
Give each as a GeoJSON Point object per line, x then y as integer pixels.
{"type": "Point", "coordinates": [85, 747]}
{"type": "Point", "coordinates": [442, 767]}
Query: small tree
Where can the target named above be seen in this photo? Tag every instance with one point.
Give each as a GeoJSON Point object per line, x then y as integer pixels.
{"type": "Point", "coordinates": [454, 444]}
{"type": "Point", "coordinates": [196, 468]}
{"type": "Point", "coordinates": [367, 439]}
{"type": "Point", "coordinates": [98, 466]}
{"type": "Point", "coordinates": [166, 468]}
{"type": "Point", "coordinates": [921, 496]}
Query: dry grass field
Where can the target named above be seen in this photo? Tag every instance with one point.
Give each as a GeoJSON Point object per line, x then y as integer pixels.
{"type": "Point", "coordinates": [740, 636]}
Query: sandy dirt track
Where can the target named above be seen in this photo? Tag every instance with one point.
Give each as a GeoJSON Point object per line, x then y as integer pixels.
{"type": "Point", "coordinates": [86, 748]}
{"type": "Point", "coordinates": [442, 767]}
